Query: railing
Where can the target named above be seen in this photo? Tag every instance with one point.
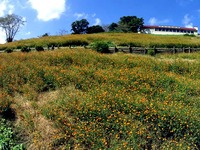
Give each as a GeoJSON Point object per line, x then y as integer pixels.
{"type": "Point", "coordinates": [155, 50]}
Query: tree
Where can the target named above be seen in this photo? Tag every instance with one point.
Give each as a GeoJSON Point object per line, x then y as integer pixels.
{"type": "Point", "coordinates": [131, 23]}
{"type": "Point", "coordinates": [11, 24]}
{"type": "Point", "coordinates": [80, 26]}
{"type": "Point", "coordinates": [46, 34]}
{"type": "Point", "coordinates": [95, 29]}
{"type": "Point", "coordinates": [112, 26]}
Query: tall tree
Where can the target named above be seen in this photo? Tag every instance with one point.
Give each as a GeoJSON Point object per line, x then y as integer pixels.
{"type": "Point", "coordinates": [95, 29]}
{"type": "Point", "coordinates": [11, 24]}
{"type": "Point", "coordinates": [80, 26]}
{"type": "Point", "coordinates": [131, 23]}
{"type": "Point", "coordinates": [113, 26]}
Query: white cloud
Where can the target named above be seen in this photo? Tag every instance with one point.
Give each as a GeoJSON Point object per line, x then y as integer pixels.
{"type": "Point", "coordinates": [3, 6]}
{"type": "Point", "coordinates": [2, 37]}
{"type": "Point", "coordinates": [6, 7]}
{"type": "Point", "coordinates": [97, 21]}
{"type": "Point", "coordinates": [155, 21]}
{"type": "Point", "coordinates": [48, 9]}
{"type": "Point", "coordinates": [81, 15]}
{"type": "Point", "coordinates": [11, 9]}
{"type": "Point", "coordinates": [28, 33]}
{"type": "Point", "coordinates": [93, 15]}
{"type": "Point", "coordinates": [184, 2]}
{"type": "Point", "coordinates": [187, 21]}
{"type": "Point", "coordinates": [152, 21]}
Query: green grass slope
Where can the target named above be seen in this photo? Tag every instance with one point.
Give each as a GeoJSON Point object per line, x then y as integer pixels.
{"type": "Point", "coordinates": [119, 39]}
{"type": "Point", "coordinates": [81, 99]}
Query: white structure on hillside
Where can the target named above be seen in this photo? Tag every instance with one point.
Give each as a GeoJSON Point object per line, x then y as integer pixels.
{"type": "Point", "coordinates": [169, 30]}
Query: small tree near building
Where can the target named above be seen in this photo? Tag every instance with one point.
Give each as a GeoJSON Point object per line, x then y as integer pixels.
{"type": "Point", "coordinates": [11, 24]}
{"type": "Point", "coordinates": [131, 24]}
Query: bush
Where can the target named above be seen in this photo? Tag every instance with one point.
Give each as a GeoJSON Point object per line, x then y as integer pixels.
{"type": "Point", "coordinates": [9, 50]}
{"type": "Point", "coordinates": [25, 49]}
{"type": "Point", "coordinates": [101, 46]}
{"type": "Point", "coordinates": [190, 35]}
{"type": "Point", "coordinates": [74, 43]}
{"type": "Point", "coordinates": [39, 48]}
{"type": "Point", "coordinates": [151, 52]}
{"type": "Point", "coordinates": [6, 138]}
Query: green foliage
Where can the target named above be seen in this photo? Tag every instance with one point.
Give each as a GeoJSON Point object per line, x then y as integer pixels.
{"type": "Point", "coordinates": [120, 39]}
{"type": "Point", "coordinates": [190, 35]}
{"type": "Point", "coordinates": [151, 52]}
{"type": "Point", "coordinates": [112, 27]}
{"type": "Point", "coordinates": [127, 101]}
{"type": "Point", "coordinates": [80, 26]}
{"type": "Point", "coordinates": [9, 50]}
{"type": "Point", "coordinates": [74, 43]}
{"type": "Point", "coordinates": [46, 34]}
{"type": "Point", "coordinates": [101, 46]}
{"type": "Point", "coordinates": [95, 29]}
{"type": "Point", "coordinates": [7, 138]}
{"type": "Point", "coordinates": [39, 48]}
{"type": "Point", "coordinates": [130, 24]}
{"type": "Point", "coordinates": [25, 49]}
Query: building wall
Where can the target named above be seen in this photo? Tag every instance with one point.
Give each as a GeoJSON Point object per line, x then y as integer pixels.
{"type": "Point", "coordinates": [168, 32]}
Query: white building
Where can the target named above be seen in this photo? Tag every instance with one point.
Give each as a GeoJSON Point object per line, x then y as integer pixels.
{"type": "Point", "coordinates": [169, 30]}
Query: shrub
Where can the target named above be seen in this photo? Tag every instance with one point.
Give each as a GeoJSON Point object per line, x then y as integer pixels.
{"type": "Point", "coordinates": [39, 48]}
{"type": "Point", "coordinates": [190, 35]}
{"type": "Point", "coordinates": [151, 52]}
{"type": "Point", "coordinates": [101, 46]}
{"type": "Point", "coordinates": [6, 138]}
{"type": "Point", "coordinates": [74, 43]}
{"type": "Point", "coordinates": [25, 49]}
{"type": "Point", "coordinates": [9, 50]}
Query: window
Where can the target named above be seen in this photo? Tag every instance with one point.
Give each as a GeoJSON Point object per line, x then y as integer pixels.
{"type": "Point", "coordinates": [174, 30]}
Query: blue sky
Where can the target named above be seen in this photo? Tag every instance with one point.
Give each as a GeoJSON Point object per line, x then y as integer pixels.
{"type": "Point", "coordinates": [54, 16]}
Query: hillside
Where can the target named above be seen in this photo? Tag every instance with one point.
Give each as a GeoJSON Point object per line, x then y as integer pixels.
{"type": "Point", "coordinates": [81, 99]}
{"type": "Point", "coordinates": [118, 39]}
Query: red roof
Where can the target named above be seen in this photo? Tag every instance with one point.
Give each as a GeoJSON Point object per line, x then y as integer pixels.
{"type": "Point", "coordinates": [169, 27]}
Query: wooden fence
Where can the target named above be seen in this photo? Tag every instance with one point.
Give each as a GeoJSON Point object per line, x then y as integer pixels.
{"type": "Point", "coordinates": [155, 50]}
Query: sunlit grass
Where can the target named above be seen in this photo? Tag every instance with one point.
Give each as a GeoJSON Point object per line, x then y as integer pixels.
{"type": "Point", "coordinates": [89, 100]}
{"type": "Point", "coordinates": [123, 39]}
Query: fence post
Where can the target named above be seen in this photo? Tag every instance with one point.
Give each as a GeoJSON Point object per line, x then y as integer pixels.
{"type": "Point", "coordinates": [130, 49]}
{"type": "Point", "coordinates": [52, 47]}
{"type": "Point", "coordinates": [116, 49]}
{"type": "Point", "coordinates": [174, 50]}
{"type": "Point", "coordinates": [183, 49]}
{"type": "Point", "coordinates": [155, 50]}
{"type": "Point", "coordinates": [145, 50]}
{"type": "Point", "coordinates": [189, 50]}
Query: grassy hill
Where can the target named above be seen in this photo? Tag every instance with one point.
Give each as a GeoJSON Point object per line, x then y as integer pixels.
{"type": "Point", "coordinates": [118, 39]}
{"type": "Point", "coordinates": [81, 99]}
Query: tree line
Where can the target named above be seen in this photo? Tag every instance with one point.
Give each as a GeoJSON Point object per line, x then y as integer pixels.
{"type": "Point", "coordinates": [11, 24]}
{"type": "Point", "coordinates": [125, 24]}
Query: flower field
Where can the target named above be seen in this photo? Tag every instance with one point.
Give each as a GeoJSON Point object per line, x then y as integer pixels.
{"type": "Point", "coordinates": [118, 39]}
{"type": "Point", "coordinates": [80, 99]}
